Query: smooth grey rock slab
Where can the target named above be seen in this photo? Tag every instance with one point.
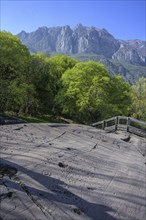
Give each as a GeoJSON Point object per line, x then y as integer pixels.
{"type": "Point", "coordinates": [70, 172]}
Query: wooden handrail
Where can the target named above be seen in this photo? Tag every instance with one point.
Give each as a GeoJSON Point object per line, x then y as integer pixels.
{"type": "Point", "coordinates": [129, 124]}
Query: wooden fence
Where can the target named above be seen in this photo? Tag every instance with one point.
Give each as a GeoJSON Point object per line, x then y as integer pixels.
{"type": "Point", "coordinates": [128, 124]}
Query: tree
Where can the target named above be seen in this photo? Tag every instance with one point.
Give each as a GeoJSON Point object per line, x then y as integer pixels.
{"type": "Point", "coordinates": [39, 76]}
{"type": "Point", "coordinates": [58, 65]}
{"type": "Point", "coordinates": [138, 107]}
{"type": "Point", "coordinates": [14, 58]}
{"type": "Point", "coordinates": [90, 94]}
{"type": "Point", "coordinates": [83, 95]}
{"type": "Point", "coordinates": [37, 83]}
{"type": "Point", "coordinates": [22, 98]}
{"type": "Point", "coordinates": [119, 96]}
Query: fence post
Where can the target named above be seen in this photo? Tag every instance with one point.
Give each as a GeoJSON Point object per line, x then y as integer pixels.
{"type": "Point", "coordinates": [128, 124]}
{"type": "Point", "coordinates": [103, 125]}
{"type": "Point", "coordinates": [116, 123]}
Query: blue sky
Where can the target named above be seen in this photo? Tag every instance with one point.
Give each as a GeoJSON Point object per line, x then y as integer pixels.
{"type": "Point", "coordinates": [123, 19]}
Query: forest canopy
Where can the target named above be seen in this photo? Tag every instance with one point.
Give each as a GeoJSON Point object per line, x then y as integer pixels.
{"type": "Point", "coordinates": [37, 84]}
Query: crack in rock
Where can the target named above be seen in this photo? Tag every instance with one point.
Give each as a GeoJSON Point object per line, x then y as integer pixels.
{"type": "Point", "coordinates": [94, 147]}
{"type": "Point", "coordinates": [26, 190]}
{"type": "Point", "coordinates": [52, 140]}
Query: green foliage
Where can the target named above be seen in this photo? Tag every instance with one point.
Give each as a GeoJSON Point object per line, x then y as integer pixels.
{"type": "Point", "coordinates": [58, 64]}
{"type": "Point", "coordinates": [119, 96]}
{"type": "Point", "coordinates": [88, 93]}
{"type": "Point", "coordinates": [14, 58]}
{"type": "Point", "coordinates": [41, 85]}
{"type": "Point", "coordinates": [130, 72]}
{"type": "Point", "coordinates": [138, 107]}
{"type": "Point", "coordinates": [41, 119]}
{"type": "Point", "coordinates": [22, 98]}
{"type": "Point", "coordinates": [39, 76]}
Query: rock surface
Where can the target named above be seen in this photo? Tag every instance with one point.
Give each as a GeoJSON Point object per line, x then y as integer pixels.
{"type": "Point", "coordinates": [127, 58]}
{"type": "Point", "coordinates": [70, 172]}
{"type": "Point", "coordinates": [83, 39]}
{"type": "Point", "coordinates": [5, 119]}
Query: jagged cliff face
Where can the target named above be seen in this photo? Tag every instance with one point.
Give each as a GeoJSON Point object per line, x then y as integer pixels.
{"type": "Point", "coordinates": [127, 54]}
{"type": "Point", "coordinates": [92, 40]}
{"type": "Point", "coordinates": [84, 40]}
{"type": "Point", "coordinates": [132, 51]}
{"type": "Point", "coordinates": [127, 58]}
{"type": "Point", "coordinates": [65, 40]}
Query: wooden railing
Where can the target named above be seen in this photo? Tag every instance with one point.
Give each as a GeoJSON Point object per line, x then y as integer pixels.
{"type": "Point", "coordinates": [128, 124]}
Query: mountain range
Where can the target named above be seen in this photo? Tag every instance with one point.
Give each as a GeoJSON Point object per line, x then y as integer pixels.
{"type": "Point", "coordinates": [127, 58]}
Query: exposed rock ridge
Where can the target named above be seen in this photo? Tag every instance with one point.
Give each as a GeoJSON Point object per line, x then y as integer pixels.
{"type": "Point", "coordinates": [83, 39]}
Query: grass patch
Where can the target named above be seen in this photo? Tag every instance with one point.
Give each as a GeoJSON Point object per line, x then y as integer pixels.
{"type": "Point", "coordinates": [40, 118]}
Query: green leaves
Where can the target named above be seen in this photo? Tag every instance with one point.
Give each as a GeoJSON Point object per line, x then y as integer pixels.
{"type": "Point", "coordinates": [22, 98]}
{"type": "Point", "coordinates": [82, 89]}
{"type": "Point", "coordinates": [39, 84]}
{"type": "Point", "coordinates": [13, 53]}
{"type": "Point", "coordinates": [14, 58]}
{"type": "Point", "coordinates": [138, 95]}
{"type": "Point", "coordinates": [120, 99]}
{"type": "Point", "coordinates": [89, 93]}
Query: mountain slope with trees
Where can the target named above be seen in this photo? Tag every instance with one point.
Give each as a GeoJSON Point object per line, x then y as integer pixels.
{"type": "Point", "coordinates": [127, 58]}
{"type": "Point", "coordinates": [36, 84]}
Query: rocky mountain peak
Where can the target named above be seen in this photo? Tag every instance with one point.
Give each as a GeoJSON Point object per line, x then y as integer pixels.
{"type": "Point", "coordinates": [23, 35]}
{"type": "Point", "coordinates": [79, 26]}
{"type": "Point", "coordinates": [85, 40]}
